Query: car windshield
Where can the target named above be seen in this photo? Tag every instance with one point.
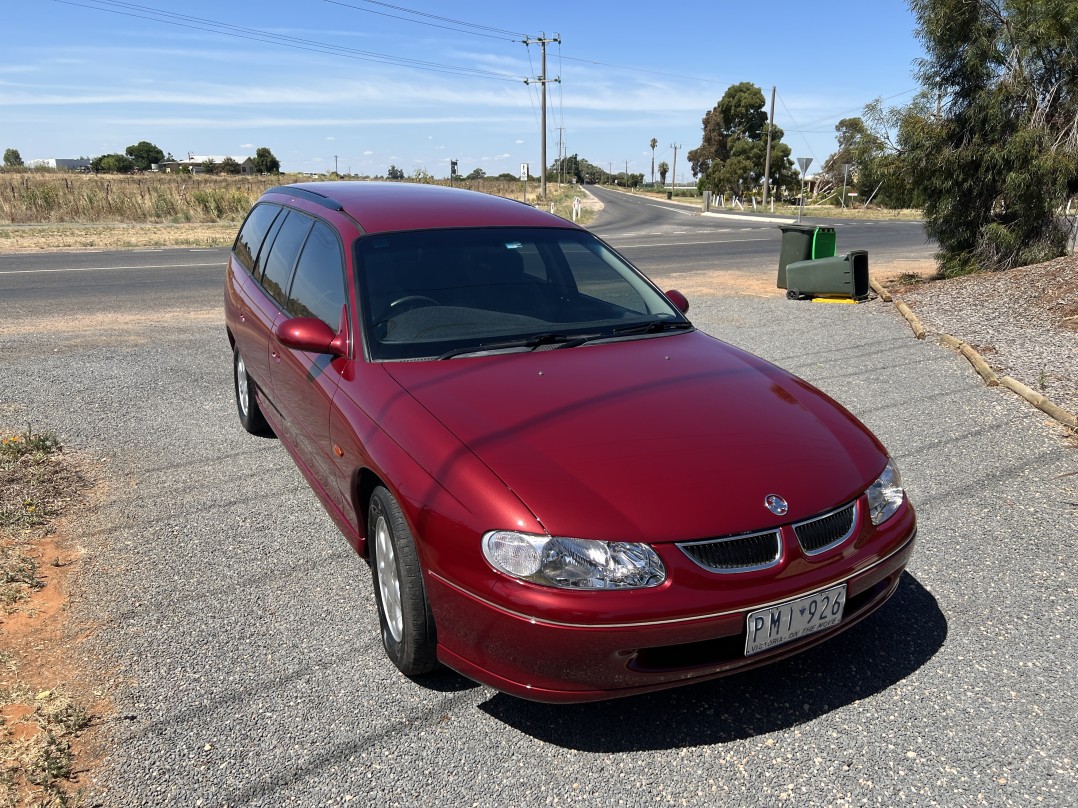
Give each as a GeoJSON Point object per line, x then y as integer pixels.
{"type": "Point", "coordinates": [445, 293]}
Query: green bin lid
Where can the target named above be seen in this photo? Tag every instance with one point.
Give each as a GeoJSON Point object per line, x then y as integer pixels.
{"type": "Point", "coordinates": [824, 242]}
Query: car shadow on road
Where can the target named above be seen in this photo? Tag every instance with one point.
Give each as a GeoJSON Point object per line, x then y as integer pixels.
{"type": "Point", "coordinates": [870, 657]}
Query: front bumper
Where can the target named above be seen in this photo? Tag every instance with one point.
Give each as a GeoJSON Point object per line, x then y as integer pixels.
{"type": "Point", "coordinates": [564, 661]}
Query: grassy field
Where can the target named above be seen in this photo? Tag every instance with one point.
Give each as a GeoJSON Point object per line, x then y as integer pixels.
{"type": "Point", "coordinates": [53, 210]}
{"type": "Point", "coordinates": [50, 210]}
{"type": "Point", "coordinates": [44, 197]}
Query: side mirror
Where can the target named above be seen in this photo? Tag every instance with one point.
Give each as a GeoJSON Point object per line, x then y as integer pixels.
{"type": "Point", "coordinates": [312, 335]}
{"type": "Point", "coordinates": [679, 300]}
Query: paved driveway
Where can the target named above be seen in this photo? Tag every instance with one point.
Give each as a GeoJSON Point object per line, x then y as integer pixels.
{"type": "Point", "coordinates": [238, 636]}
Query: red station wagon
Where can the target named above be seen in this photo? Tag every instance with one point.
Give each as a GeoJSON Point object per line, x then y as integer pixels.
{"type": "Point", "coordinates": [563, 489]}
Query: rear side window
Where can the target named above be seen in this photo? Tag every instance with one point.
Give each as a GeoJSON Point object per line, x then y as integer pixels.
{"type": "Point", "coordinates": [318, 286]}
{"type": "Point", "coordinates": [283, 254]}
{"type": "Point", "coordinates": [253, 233]}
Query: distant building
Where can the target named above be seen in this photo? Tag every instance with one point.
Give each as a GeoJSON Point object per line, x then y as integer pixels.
{"type": "Point", "coordinates": [194, 163]}
{"type": "Point", "coordinates": [61, 163]}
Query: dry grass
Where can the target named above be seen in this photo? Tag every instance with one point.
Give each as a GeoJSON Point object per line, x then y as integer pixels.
{"type": "Point", "coordinates": [55, 211]}
{"type": "Point", "coordinates": [36, 745]}
{"type": "Point", "coordinates": [51, 196]}
{"type": "Point", "coordinates": [37, 726]}
{"type": "Point", "coordinates": [70, 237]}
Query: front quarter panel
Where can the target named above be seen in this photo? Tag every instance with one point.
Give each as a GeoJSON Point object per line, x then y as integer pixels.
{"type": "Point", "coordinates": [449, 497]}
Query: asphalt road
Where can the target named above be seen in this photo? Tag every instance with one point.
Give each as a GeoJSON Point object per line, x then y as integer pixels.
{"type": "Point", "coordinates": [236, 632]}
{"type": "Point", "coordinates": [662, 236]}
{"type": "Point", "coordinates": [42, 284]}
{"type": "Point", "coordinates": [659, 237]}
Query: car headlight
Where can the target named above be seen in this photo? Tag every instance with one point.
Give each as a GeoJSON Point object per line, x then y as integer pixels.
{"type": "Point", "coordinates": [573, 563]}
{"type": "Point", "coordinates": [886, 494]}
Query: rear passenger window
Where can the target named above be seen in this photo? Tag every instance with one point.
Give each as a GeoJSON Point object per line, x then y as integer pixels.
{"type": "Point", "coordinates": [318, 286]}
{"type": "Point", "coordinates": [253, 233]}
{"type": "Point", "coordinates": [283, 254]}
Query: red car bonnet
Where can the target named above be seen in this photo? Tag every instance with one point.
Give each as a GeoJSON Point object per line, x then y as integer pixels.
{"type": "Point", "coordinates": [626, 440]}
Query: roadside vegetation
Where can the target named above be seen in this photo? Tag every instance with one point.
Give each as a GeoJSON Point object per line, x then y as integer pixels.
{"type": "Point", "coordinates": [39, 718]}
{"type": "Point", "coordinates": [988, 148]}
{"type": "Point", "coordinates": [49, 209]}
{"type": "Point", "coordinates": [49, 197]}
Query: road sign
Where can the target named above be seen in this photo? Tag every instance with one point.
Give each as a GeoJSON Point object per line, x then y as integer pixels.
{"type": "Point", "coordinates": [524, 172]}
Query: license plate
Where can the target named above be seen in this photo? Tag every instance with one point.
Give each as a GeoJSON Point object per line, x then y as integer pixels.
{"type": "Point", "coordinates": [775, 625]}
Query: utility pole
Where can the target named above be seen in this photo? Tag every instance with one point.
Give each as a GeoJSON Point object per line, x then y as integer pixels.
{"type": "Point", "coordinates": [673, 176]}
{"type": "Point", "coordinates": [335, 174]}
{"type": "Point", "coordinates": [767, 159]}
{"type": "Point", "coordinates": [561, 155]}
{"type": "Point", "coordinates": [543, 80]}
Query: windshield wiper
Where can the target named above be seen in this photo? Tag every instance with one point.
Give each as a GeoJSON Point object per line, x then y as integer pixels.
{"type": "Point", "coordinates": [533, 342]}
{"type": "Point", "coordinates": [653, 327]}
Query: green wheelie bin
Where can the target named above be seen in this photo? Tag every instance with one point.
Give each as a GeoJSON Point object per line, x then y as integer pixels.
{"type": "Point", "coordinates": [803, 243]}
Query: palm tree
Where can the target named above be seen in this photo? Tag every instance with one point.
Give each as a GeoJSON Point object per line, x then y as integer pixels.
{"type": "Point", "coordinates": [654, 143]}
{"type": "Point", "coordinates": [663, 169]}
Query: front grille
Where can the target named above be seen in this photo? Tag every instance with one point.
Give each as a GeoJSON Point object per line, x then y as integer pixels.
{"type": "Point", "coordinates": [736, 553]}
{"type": "Point", "coordinates": [827, 531]}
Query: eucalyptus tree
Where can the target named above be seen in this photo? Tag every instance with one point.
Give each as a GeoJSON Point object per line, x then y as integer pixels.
{"type": "Point", "coordinates": [858, 148]}
{"type": "Point", "coordinates": [733, 150]}
{"type": "Point", "coordinates": [992, 143]}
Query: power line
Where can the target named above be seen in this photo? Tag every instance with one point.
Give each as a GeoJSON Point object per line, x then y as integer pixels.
{"type": "Point", "coordinates": [643, 70]}
{"type": "Point", "coordinates": [828, 118]}
{"type": "Point", "coordinates": [800, 130]}
{"type": "Point", "coordinates": [512, 35]}
{"type": "Point", "coordinates": [137, 11]}
{"type": "Point", "coordinates": [807, 145]}
{"type": "Point", "coordinates": [257, 35]}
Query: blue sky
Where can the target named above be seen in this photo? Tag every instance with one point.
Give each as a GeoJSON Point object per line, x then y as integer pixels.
{"type": "Point", "coordinates": [77, 78]}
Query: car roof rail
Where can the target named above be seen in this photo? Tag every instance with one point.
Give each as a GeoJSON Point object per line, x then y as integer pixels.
{"type": "Point", "coordinates": [311, 196]}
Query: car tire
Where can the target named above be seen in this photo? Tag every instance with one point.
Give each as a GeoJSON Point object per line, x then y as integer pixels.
{"type": "Point", "coordinates": [251, 417]}
{"type": "Point", "coordinates": [404, 613]}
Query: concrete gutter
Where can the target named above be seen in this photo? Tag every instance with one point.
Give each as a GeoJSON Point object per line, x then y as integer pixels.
{"type": "Point", "coordinates": [745, 217]}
